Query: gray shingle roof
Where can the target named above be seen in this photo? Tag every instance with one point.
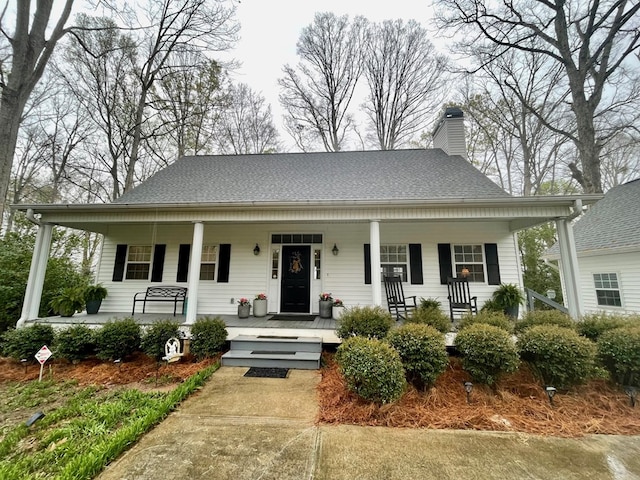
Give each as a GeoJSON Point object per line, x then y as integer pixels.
{"type": "Point", "coordinates": [366, 176]}
{"type": "Point", "coordinates": [613, 222]}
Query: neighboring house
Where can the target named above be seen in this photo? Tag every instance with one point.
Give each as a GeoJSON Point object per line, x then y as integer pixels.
{"type": "Point", "coordinates": [299, 224]}
{"type": "Point", "coordinates": [608, 251]}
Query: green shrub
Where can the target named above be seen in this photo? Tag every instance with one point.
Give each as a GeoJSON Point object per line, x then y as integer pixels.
{"type": "Point", "coordinates": [429, 303]}
{"type": "Point", "coordinates": [487, 352]}
{"type": "Point", "coordinates": [619, 353]}
{"type": "Point", "coordinates": [25, 342]}
{"type": "Point", "coordinates": [369, 322]}
{"type": "Point", "coordinates": [155, 337]}
{"type": "Point", "coordinates": [559, 355]}
{"type": "Point", "coordinates": [595, 324]}
{"type": "Point", "coordinates": [433, 317]}
{"type": "Point", "coordinates": [372, 369]}
{"type": "Point", "coordinates": [491, 305]}
{"type": "Point", "coordinates": [422, 351]}
{"type": "Point", "coordinates": [488, 317]}
{"type": "Point", "coordinates": [117, 339]}
{"type": "Point", "coordinates": [545, 317]}
{"type": "Point", "coordinates": [208, 337]}
{"type": "Point", "coordinates": [75, 343]}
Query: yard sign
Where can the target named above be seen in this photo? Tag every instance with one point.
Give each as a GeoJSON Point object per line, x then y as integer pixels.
{"type": "Point", "coordinates": [42, 356]}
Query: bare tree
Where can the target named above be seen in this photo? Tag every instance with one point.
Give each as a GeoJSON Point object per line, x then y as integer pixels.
{"type": "Point", "coordinates": [21, 69]}
{"type": "Point", "coordinates": [594, 42]}
{"type": "Point", "coordinates": [406, 78]}
{"type": "Point", "coordinates": [246, 125]}
{"type": "Point", "coordinates": [317, 93]}
{"type": "Point", "coordinates": [188, 100]}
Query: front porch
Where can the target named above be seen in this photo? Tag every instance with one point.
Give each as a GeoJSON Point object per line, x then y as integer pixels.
{"type": "Point", "coordinates": [324, 328]}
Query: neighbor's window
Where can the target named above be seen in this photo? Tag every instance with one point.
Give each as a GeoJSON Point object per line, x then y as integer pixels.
{"type": "Point", "coordinates": [138, 262]}
{"type": "Point", "coordinates": [208, 262]}
{"type": "Point", "coordinates": [607, 289]}
{"type": "Point", "coordinates": [393, 261]}
{"type": "Point", "coordinates": [471, 258]}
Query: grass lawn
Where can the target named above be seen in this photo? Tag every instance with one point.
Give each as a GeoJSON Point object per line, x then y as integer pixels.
{"type": "Point", "coordinates": [84, 428]}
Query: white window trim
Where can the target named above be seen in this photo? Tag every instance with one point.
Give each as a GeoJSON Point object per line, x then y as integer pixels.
{"type": "Point", "coordinates": [127, 263]}
{"type": "Point", "coordinates": [406, 263]}
{"type": "Point", "coordinates": [463, 264]}
{"type": "Point", "coordinates": [209, 262]}
{"type": "Point", "coordinates": [619, 290]}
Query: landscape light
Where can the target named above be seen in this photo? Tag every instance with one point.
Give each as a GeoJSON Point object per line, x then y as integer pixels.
{"type": "Point", "coordinates": [34, 418]}
{"type": "Point", "coordinates": [632, 393]}
{"type": "Point", "coordinates": [551, 391]}
{"type": "Point", "coordinates": [468, 387]}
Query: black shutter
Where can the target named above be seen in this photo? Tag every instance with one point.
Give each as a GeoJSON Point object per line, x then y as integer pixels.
{"type": "Point", "coordinates": [183, 262]}
{"type": "Point", "coordinates": [118, 266]}
{"type": "Point", "coordinates": [367, 264]}
{"type": "Point", "coordinates": [493, 268]}
{"type": "Point", "coordinates": [444, 257]}
{"type": "Point", "coordinates": [158, 263]}
{"type": "Point", "coordinates": [415, 263]}
{"type": "Point", "coordinates": [224, 260]}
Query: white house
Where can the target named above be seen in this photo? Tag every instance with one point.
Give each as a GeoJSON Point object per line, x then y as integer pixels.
{"type": "Point", "coordinates": [608, 250]}
{"type": "Point", "coordinates": [298, 224]}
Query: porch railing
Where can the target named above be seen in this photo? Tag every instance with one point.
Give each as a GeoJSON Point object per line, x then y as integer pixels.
{"type": "Point", "coordinates": [532, 296]}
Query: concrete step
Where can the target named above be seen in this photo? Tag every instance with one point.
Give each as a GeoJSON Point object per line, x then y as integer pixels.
{"type": "Point", "coordinates": [272, 359]}
{"type": "Point", "coordinates": [277, 343]}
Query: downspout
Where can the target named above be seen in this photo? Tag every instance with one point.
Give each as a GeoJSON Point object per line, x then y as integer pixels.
{"type": "Point", "coordinates": [31, 217]}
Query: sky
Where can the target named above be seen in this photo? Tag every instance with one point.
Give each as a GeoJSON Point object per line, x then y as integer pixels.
{"type": "Point", "coordinates": [270, 30]}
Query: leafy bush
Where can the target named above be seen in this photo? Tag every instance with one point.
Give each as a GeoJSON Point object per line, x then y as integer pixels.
{"type": "Point", "coordinates": [488, 317]}
{"type": "Point", "coordinates": [15, 257]}
{"type": "Point", "coordinates": [75, 343]}
{"type": "Point", "coordinates": [594, 325]}
{"type": "Point", "coordinates": [429, 303]}
{"type": "Point", "coordinates": [487, 352]}
{"type": "Point", "coordinates": [370, 322]}
{"type": "Point", "coordinates": [619, 353]}
{"type": "Point", "coordinates": [431, 316]}
{"type": "Point", "coordinates": [372, 369]}
{"type": "Point", "coordinates": [559, 355]}
{"type": "Point", "coordinates": [491, 306]}
{"type": "Point", "coordinates": [68, 302]}
{"type": "Point", "coordinates": [25, 342]}
{"type": "Point", "coordinates": [117, 339]}
{"type": "Point", "coordinates": [208, 336]}
{"type": "Point", "coordinates": [155, 337]}
{"type": "Point", "coordinates": [545, 317]}
{"type": "Point", "coordinates": [422, 351]}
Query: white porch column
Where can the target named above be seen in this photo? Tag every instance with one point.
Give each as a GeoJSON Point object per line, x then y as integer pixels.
{"type": "Point", "coordinates": [376, 279]}
{"type": "Point", "coordinates": [33, 292]}
{"type": "Point", "coordinates": [194, 272]}
{"type": "Point", "coordinates": [570, 270]}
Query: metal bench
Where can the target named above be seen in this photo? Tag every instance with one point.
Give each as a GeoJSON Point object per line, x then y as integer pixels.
{"type": "Point", "coordinates": [160, 294]}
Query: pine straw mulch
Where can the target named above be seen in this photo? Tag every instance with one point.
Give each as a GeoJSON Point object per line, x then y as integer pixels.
{"type": "Point", "coordinates": [518, 404]}
{"type": "Point", "coordinates": [139, 369]}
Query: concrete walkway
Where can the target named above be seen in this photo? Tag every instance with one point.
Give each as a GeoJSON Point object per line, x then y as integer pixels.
{"type": "Point", "coordinates": [263, 428]}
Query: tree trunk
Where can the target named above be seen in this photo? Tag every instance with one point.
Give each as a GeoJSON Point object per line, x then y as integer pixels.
{"type": "Point", "coordinates": [11, 108]}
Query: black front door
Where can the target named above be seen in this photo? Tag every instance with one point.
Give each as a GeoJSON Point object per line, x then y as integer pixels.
{"type": "Point", "coordinates": [296, 279]}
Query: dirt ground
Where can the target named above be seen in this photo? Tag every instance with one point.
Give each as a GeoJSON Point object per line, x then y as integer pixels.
{"type": "Point", "coordinates": [517, 404]}
{"type": "Point", "coordinates": [138, 371]}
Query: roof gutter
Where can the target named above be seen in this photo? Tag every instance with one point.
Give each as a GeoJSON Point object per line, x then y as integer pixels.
{"type": "Point", "coordinates": [31, 217]}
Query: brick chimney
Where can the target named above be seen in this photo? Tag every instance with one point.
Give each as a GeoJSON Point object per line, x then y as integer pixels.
{"type": "Point", "coordinates": [449, 133]}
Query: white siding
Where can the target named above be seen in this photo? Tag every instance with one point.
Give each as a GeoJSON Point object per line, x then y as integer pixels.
{"type": "Point", "coordinates": [341, 275]}
{"type": "Point", "coordinates": [627, 268]}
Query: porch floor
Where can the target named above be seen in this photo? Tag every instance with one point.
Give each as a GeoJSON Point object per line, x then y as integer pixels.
{"type": "Point", "coordinates": [319, 327]}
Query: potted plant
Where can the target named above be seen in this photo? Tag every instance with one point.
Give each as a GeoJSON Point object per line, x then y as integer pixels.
{"type": "Point", "coordinates": [93, 296]}
{"type": "Point", "coordinates": [338, 309]}
{"type": "Point", "coordinates": [260, 305]}
{"type": "Point", "coordinates": [70, 301]}
{"type": "Point", "coordinates": [326, 305]}
{"type": "Point", "coordinates": [244, 307]}
{"type": "Point", "coordinates": [508, 297]}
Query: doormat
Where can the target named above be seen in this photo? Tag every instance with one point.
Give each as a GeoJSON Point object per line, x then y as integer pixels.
{"type": "Point", "coordinates": [297, 318]}
{"type": "Point", "coordinates": [267, 372]}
